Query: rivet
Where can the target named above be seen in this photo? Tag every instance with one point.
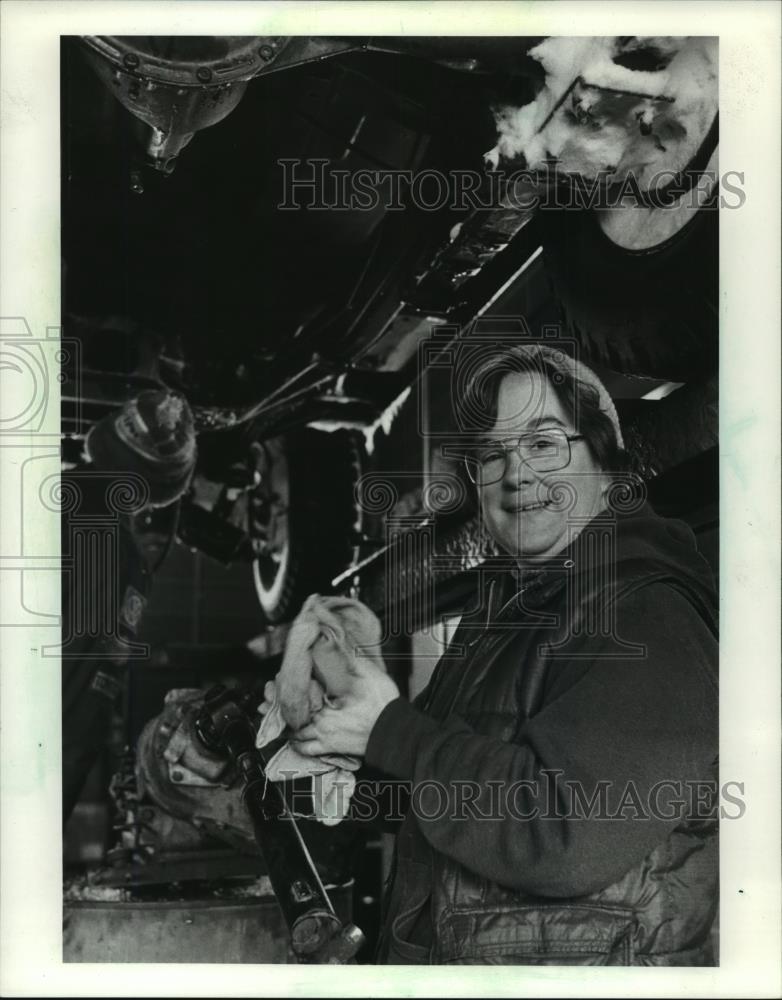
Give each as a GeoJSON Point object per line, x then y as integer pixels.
{"type": "Point", "coordinates": [130, 60]}
{"type": "Point", "coordinates": [204, 74]}
{"type": "Point", "coordinates": [266, 52]}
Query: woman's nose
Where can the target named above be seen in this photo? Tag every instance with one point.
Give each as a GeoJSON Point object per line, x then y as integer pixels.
{"type": "Point", "coordinates": [516, 469]}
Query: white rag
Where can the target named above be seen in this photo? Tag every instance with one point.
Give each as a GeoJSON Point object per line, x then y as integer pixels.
{"type": "Point", "coordinates": [326, 638]}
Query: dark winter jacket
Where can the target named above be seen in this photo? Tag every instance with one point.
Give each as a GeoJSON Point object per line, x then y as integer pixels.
{"type": "Point", "coordinates": [561, 761]}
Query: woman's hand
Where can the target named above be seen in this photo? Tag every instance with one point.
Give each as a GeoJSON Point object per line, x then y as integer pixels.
{"type": "Point", "coordinates": [315, 696]}
{"type": "Point", "coordinates": [345, 728]}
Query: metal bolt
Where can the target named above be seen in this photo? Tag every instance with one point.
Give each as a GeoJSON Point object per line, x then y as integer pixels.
{"type": "Point", "coordinates": [204, 74]}
{"type": "Point", "coordinates": [130, 61]}
{"type": "Point", "coordinates": [266, 52]}
{"type": "Point", "coordinates": [176, 776]}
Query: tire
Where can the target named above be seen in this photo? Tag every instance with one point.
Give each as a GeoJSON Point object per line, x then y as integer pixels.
{"type": "Point", "coordinates": [648, 313]}
{"type": "Point", "coordinates": [302, 516]}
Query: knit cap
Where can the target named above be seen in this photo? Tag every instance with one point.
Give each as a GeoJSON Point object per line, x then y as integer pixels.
{"type": "Point", "coordinates": [578, 370]}
{"type": "Point", "coordinates": [538, 355]}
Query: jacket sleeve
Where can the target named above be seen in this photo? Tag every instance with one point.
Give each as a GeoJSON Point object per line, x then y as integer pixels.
{"type": "Point", "coordinates": [379, 800]}
{"type": "Point", "coordinates": [634, 736]}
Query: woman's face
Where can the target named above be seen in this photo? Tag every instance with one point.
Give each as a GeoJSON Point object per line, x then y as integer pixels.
{"type": "Point", "coordinates": [525, 512]}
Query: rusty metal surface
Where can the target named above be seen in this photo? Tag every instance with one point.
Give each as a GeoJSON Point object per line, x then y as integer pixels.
{"type": "Point", "coordinates": [206, 930]}
{"type": "Point", "coordinates": [188, 60]}
{"type": "Point", "coordinates": [182, 867]}
{"type": "Point", "coordinates": [662, 435]}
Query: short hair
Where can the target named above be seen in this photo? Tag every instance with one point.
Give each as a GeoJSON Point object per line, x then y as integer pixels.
{"type": "Point", "coordinates": [477, 402]}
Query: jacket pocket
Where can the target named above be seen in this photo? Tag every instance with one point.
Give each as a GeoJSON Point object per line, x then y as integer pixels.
{"type": "Point", "coordinates": [551, 934]}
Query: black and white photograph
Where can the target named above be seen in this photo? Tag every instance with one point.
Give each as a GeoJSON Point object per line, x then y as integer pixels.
{"type": "Point", "coordinates": [382, 470]}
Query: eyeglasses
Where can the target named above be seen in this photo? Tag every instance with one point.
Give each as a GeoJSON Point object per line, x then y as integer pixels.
{"type": "Point", "coordinates": [543, 451]}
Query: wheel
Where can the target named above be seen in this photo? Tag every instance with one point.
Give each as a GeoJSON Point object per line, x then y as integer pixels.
{"type": "Point", "coordinates": [638, 289]}
{"type": "Point", "coordinates": [303, 519]}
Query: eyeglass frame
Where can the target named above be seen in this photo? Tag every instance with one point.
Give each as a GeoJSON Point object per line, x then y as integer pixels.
{"type": "Point", "coordinates": [517, 448]}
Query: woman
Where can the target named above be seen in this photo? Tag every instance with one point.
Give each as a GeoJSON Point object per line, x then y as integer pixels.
{"type": "Point", "coordinates": [561, 758]}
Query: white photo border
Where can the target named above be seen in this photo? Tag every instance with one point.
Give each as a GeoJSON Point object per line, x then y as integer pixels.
{"type": "Point", "coordinates": [30, 831]}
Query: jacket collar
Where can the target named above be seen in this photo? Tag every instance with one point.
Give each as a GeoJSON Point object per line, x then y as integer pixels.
{"type": "Point", "coordinates": [535, 583]}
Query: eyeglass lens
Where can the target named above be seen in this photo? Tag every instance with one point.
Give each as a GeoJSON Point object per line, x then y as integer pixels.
{"type": "Point", "coordinates": [543, 452]}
